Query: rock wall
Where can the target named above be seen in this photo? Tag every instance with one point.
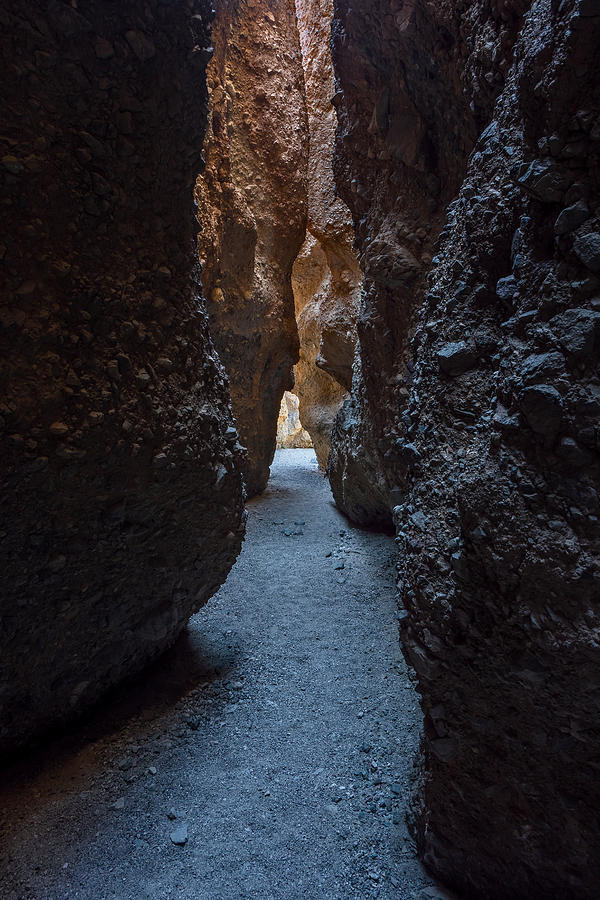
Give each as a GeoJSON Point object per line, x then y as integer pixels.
{"type": "Point", "coordinates": [252, 211]}
{"type": "Point", "coordinates": [500, 531]}
{"type": "Point", "coordinates": [413, 89]}
{"type": "Point", "coordinates": [326, 276]}
{"type": "Point", "coordinates": [121, 503]}
{"type": "Point", "coordinates": [483, 437]}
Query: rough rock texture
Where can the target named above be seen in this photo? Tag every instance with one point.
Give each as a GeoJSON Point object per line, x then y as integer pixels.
{"type": "Point", "coordinates": [409, 110]}
{"type": "Point", "coordinates": [121, 506]}
{"type": "Point", "coordinates": [485, 441]}
{"type": "Point", "coordinates": [326, 276]}
{"type": "Point", "coordinates": [252, 211]}
{"type": "Point", "coordinates": [290, 433]}
{"type": "Point", "coordinates": [501, 529]}
{"type": "Point", "coordinates": [327, 333]}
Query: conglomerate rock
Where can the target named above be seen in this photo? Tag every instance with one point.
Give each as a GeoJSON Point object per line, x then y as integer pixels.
{"type": "Point", "coordinates": [500, 531]}
{"type": "Point", "coordinates": [409, 108]}
{"type": "Point", "coordinates": [122, 504]}
{"type": "Point", "coordinates": [484, 439]}
{"type": "Point", "coordinates": [252, 211]}
{"type": "Point", "coordinates": [326, 277]}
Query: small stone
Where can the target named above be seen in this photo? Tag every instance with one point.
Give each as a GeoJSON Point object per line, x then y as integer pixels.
{"type": "Point", "coordinates": [339, 565]}
{"type": "Point", "coordinates": [506, 288]}
{"type": "Point", "coordinates": [59, 429]}
{"type": "Point", "coordinates": [119, 804]}
{"type": "Point", "coordinates": [124, 364]}
{"type": "Point", "coordinates": [141, 45]}
{"type": "Point", "coordinates": [538, 366]}
{"type": "Point", "coordinates": [152, 770]}
{"type": "Point", "coordinates": [103, 48]}
{"type": "Point", "coordinates": [179, 835]}
{"type": "Point", "coordinates": [456, 358]}
{"type": "Point", "coordinates": [571, 218]}
{"type": "Point", "coordinates": [542, 408]}
{"type": "Point", "coordinates": [544, 181]}
{"type": "Point", "coordinates": [576, 329]}
{"type": "Point", "coordinates": [587, 248]}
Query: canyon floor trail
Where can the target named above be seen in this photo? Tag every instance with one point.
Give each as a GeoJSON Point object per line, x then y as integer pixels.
{"type": "Point", "coordinates": [276, 738]}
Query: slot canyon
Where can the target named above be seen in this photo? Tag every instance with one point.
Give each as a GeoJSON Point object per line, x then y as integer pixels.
{"type": "Point", "coordinates": [300, 514]}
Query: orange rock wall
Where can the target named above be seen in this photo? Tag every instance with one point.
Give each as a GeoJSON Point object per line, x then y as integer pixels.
{"type": "Point", "coordinates": [252, 207]}
{"type": "Point", "coordinates": [326, 279]}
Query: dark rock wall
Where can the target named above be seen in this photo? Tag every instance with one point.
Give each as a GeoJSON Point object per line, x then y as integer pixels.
{"type": "Point", "coordinates": [500, 532]}
{"type": "Point", "coordinates": [416, 81]}
{"type": "Point", "coordinates": [121, 505]}
{"type": "Point", "coordinates": [483, 439]}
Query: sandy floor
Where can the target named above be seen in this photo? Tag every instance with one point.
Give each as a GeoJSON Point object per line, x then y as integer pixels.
{"type": "Point", "coordinates": [275, 739]}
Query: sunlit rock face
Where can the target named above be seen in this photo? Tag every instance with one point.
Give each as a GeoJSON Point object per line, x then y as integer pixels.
{"type": "Point", "coordinates": [484, 432]}
{"type": "Point", "coordinates": [290, 433]}
{"type": "Point", "coordinates": [121, 507]}
{"type": "Point", "coordinates": [326, 277]}
{"type": "Point", "coordinates": [327, 336]}
{"type": "Point", "coordinates": [252, 212]}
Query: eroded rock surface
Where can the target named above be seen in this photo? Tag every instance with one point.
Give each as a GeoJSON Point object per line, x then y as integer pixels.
{"type": "Point", "coordinates": [483, 438]}
{"type": "Point", "coordinates": [252, 211]}
{"type": "Point", "coordinates": [415, 83]}
{"type": "Point", "coordinates": [326, 275]}
{"type": "Point", "coordinates": [121, 506]}
{"type": "Point", "coordinates": [500, 532]}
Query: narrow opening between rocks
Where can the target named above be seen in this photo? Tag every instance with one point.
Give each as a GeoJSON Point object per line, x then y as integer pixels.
{"type": "Point", "coordinates": [275, 246]}
{"type": "Point", "coordinates": [291, 434]}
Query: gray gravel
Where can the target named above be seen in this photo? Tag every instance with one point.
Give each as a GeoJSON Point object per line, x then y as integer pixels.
{"type": "Point", "coordinates": [267, 755]}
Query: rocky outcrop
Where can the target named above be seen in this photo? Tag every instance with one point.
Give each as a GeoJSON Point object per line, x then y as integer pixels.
{"type": "Point", "coordinates": [483, 437]}
{"type": "Point", "coordinates": [500, 532]}
{"type": "Point", "coordinates": [411, 95]}
{"type": "Point", "coordinates": [326, 277]}
{"type": "Point", "coordinates": [252, 210]}
{"type": "Point", "coordinates": [290, 433]}
{"type": "Point", "coordinates": [326, 329]}
{"type": "Point", "coordinates": [121, 504]}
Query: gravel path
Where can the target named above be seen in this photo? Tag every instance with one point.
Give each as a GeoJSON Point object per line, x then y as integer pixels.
{"type": "Point", "coordinates": [275, 739]}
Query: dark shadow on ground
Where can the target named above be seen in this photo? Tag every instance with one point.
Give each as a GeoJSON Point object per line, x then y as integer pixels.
{"type": "Point", "coordinates": [192, 663]}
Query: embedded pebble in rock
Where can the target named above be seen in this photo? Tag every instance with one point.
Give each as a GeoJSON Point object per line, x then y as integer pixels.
{"type": "Point", "coordinates": [454, 359]}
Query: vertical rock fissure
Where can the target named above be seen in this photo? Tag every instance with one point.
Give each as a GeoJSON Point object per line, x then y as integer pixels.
{"type": "Point", "coordinates": [326, 277]}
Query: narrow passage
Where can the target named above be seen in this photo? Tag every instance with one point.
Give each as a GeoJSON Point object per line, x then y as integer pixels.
{"type": "Point", "coordinates": [276, 739]}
